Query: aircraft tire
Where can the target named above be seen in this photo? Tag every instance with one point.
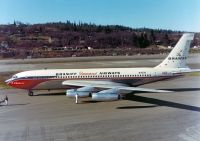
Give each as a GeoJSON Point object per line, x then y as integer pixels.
{"type": "Point", "coordinates": [30, 93]}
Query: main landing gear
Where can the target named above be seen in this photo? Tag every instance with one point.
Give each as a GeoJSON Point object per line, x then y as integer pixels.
{"type": "Point", "coordinates": [30, 93]}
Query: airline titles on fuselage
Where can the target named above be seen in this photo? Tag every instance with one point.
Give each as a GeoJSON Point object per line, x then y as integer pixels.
{"type": "Point", "coordinates": [105, 73]}
{"type": "Point", "coordinates": [87, 73]}
{"type": "Point", "coordinates": [64, 74]}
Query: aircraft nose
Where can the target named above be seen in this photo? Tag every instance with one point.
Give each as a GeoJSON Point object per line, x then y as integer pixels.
{"type": "Point", "coordinates": [8, 81]}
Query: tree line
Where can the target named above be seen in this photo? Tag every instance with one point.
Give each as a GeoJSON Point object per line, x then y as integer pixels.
{"type": "Point", "coordinates": [59, 34]}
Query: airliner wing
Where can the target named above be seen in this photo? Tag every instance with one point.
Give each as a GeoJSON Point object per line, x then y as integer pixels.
{"type": "Point", "coordinates": [108, 85]}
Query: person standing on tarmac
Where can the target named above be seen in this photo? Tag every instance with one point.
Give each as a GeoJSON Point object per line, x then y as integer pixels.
{"type": "Point", "coordinates": [6, 100]}
{"type": "Point", "coordinates": [76, 96]}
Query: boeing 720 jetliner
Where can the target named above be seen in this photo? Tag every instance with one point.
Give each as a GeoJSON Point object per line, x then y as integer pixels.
{"type": "Point", "coordinates": [106, 84]}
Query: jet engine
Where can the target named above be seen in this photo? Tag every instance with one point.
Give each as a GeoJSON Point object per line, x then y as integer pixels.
{"type": "Point", "coordinates": [106, 95]}
{"type": "Point", "coordinates": [82, 92]}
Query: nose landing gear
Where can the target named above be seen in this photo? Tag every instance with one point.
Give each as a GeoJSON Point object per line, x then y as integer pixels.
{"type": "Point", "coordinates": [30, 93]}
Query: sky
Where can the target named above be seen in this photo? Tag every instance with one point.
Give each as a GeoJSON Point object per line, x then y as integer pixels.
{"type": "Point", "coordinates": [181, 15]}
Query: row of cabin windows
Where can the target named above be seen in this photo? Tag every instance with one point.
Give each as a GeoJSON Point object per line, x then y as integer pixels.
{"type": "Point", "coordinates": [95, 76]}
{"type": "Point", "coordinates": [104, 76]}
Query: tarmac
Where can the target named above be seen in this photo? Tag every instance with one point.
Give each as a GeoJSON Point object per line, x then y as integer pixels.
{"type": "Point", "coordinates": [51, 116]}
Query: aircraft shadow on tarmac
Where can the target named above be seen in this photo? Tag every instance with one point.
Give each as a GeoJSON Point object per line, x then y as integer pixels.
{"type": "Point", "coordinates": [16, 104]}
{"type": "Point", "coordinates": [156, 103]}
{"type": "Point", "coordinates": [89, 101]}
{"type": "Point", "coordinates": [50, 94]}
{"type": "Point", "coordinates": [137, 107]}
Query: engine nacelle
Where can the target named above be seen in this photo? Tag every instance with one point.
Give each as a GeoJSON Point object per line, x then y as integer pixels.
{"type": "Point", "coordinates": [82, 92]}
{"type": "Point", "coordinates": [106, 95]}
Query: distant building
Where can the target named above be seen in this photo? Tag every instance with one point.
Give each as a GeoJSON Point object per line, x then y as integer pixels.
{"type": "Point", "coordinates": [4, 44]}
{"type": "Point", "coordinates": [45, 48]}
{"type": "Point", "coordinates": [80, 47]}
{"type": "Point", "coordinates": [158, 42]}
{"type": "Point", "coordinates": [89, 48]}
{"type": "Point", "coordinates": [65, 48]}
{"type": "Point", "coordinates": [170, 47]}
{"type": "Point", "coordinates": [68, 48]}
{"type": "Point", "coordinates": [196, 47]}
{"type": "Point", "coordinates": [50, 40]}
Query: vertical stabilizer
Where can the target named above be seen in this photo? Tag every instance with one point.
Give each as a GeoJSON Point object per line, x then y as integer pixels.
{"type": "Point", "coordinates": [178, 56]}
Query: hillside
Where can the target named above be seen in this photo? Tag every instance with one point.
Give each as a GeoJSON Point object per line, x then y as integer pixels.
{"type": "Point", "coordinates": [20, 40]}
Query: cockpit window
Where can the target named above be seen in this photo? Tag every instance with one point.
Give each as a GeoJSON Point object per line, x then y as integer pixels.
{"type": "Point", "coordinates": [14, 76]}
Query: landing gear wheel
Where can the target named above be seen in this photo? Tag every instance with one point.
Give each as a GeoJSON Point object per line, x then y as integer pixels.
{"type": "Point", "coordinates": [30, 93]}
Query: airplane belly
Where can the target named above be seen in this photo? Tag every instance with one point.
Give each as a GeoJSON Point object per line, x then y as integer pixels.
{"type": "Point", "coordinates": [50, 85]}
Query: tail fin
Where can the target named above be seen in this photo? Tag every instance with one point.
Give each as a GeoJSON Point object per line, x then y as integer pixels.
{"type": "Point", "coordinates": [178, 56]}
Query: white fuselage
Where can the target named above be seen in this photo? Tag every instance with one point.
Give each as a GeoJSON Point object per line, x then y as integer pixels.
{"type": "Point", "coordinates": [53, 78]}
{"type": "Point", "coordinates": [124, 78]}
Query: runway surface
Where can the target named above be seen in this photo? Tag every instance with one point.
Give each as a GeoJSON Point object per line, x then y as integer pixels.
{"type": "Point", "coordinates": [51, 116]}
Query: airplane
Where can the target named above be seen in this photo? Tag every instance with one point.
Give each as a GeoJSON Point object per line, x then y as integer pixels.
{"type": "Point", "coordinates": [107, 84]}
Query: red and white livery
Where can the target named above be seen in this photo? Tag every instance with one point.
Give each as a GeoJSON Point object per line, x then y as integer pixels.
{"type": "Point", "coordinates": [106, 84]}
